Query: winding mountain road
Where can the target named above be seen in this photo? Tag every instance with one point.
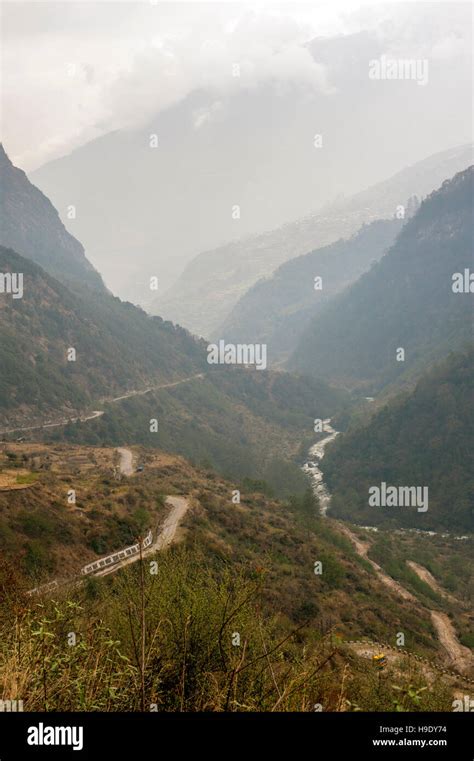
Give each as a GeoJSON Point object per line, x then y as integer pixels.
{"type": "Point", "coordinates": [179, 508]}
{"type": "Point", "coordinates": [166, 536]}
{"type": "Point", "coordinates": [98, 413]}
{"type": "Point", "coordinates": [458, 656]}
{"type": "Point", "coordinates": [144, 391]}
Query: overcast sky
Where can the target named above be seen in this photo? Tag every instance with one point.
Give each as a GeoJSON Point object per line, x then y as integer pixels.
{"type": "Point", "coordinates": [75, 70]}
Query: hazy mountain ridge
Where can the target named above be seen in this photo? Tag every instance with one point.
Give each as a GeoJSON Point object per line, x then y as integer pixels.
{"type": "Point", "coordinates": [276, 310]}
{"type": "Point", "coordinates": [245, 483]}
{"type": "Point", "coordinates": [243, 423]}
{"type": "Point", "coordinates": [405, 301]}
{"type": "Point", "coordinates": [249, 143]}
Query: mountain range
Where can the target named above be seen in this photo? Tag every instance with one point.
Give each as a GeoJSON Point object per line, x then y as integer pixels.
{"type": "Point", "coordinates": [145, 211]}
{"type": "Point", "coordinates": [237, 366]}
{"type": "Point", "coordinates": [68, 349]}
{"type": "Point", "coordinates": [244, 423]}
{"type": "Point", "coordinates": [212, 284]}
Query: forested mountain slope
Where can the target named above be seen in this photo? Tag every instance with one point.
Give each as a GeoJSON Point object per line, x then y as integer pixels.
{"type": "Point", "coordinates": [424, 438]}
{"type": "Point", "coordinates": [117, 346]}
{"type": "Point", "coordinates": [255, 565]}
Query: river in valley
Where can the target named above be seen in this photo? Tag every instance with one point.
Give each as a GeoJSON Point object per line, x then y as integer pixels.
{"type": "Point", "coordinates": [312, 466]}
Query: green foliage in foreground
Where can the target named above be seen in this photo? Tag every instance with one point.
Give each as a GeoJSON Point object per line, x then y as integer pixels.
{"type": "Point", "coordinates": [186, 638]}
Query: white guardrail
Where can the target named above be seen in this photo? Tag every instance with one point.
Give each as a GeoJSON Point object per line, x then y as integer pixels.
{"type": "Point", "coordinates": [45, 588]}
{"type": "Point", "coordinates": [97, 565]}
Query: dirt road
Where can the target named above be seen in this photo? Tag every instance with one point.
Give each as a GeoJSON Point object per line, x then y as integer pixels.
{"type": "Point", "coordinates": [126, 461]}
{"type": "Point", "coordinates": [429, 579]}
{"type": "Point", "coordinates": [130, 394]}
{"type": "Point", "coordinates": [56, 424]}
{"type": "Point", "coordinates": [179, 508]}
{"type": "Point", "coordinates": [399, 659]}
{"type": "Point", "coordinates": [164, 537]}
{"type": "Point", "coordinates": [362, 549]}
{"type": "Point", "coordinates": [460, 656]}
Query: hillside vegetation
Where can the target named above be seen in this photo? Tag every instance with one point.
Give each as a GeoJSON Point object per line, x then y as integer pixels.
{"type": "Point", "coordinates": [424, 437]}
{"type": "Point", "coordinates": [233, 619]}
{"type": "Point", "coordinates": [118, 347]}
{"type": "Point", "coordinates": [243, 423]}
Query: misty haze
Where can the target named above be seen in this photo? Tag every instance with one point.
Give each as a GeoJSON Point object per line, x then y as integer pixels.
{"type": "Point", "coordinates": [236, 368]}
